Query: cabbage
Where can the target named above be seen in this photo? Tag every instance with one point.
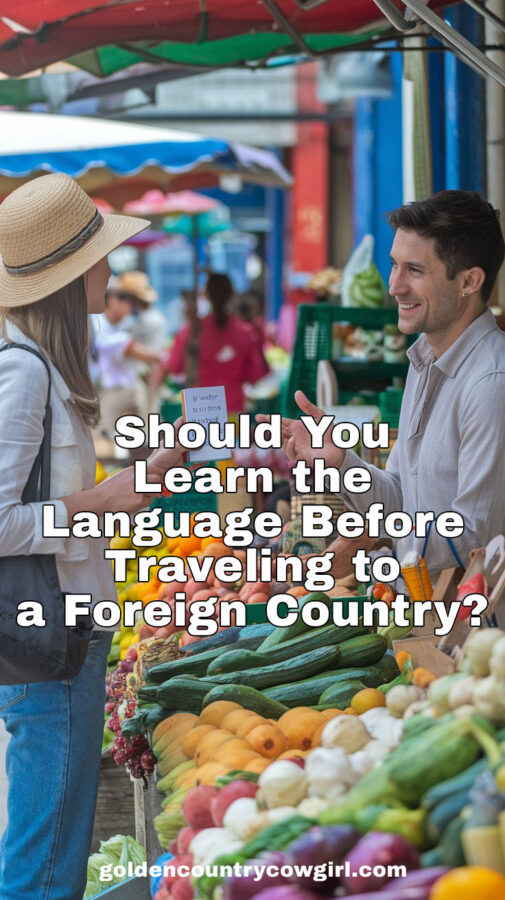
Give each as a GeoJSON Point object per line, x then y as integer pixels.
{"type": "Point", "coordinates": [117, 851]}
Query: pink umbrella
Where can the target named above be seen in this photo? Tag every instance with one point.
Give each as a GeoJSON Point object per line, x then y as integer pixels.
{"type": "Point", "coordinates": [103, 206]}
{"type": "Point", "coordinates": [156, 203]}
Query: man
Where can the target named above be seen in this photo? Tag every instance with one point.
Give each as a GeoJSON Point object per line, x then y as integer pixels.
{"type": "Point", "coordinates": [450, 452]}
{"type": "Point", "coordinates": [121, 390]}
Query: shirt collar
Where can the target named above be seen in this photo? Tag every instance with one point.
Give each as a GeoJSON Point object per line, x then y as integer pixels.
{"type": "Point", "coordinates": [15, 334]}
{"type": "Point", "coordinates": [422, 354]}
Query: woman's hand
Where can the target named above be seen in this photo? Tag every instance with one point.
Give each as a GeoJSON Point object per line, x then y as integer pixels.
{"type": "Point", "coordinates": [296, 440]}
{"type": "Point", "coordinates": [163, 459]}
{"type": "Point", "coordinates": [115, 494]}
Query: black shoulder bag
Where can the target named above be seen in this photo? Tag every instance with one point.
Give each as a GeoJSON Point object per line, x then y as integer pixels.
{"type": "Point", "coordinates": [37, 653]}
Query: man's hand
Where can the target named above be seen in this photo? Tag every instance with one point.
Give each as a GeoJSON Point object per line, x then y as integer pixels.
{"type": "Point", "coordinates": [296, 440]}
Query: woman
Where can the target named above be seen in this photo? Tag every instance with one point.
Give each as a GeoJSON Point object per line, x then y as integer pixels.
{"type": "Point", "coordinates": [228, 350]}
{"type": "Point", "coordinates": [53, 272]}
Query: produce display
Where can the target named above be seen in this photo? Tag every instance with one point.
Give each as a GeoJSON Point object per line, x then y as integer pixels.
{"type": "Point", "coordinates": [302, 747]}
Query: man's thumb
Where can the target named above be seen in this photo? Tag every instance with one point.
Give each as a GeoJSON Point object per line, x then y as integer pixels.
{"type": "Point", "coordinates": [310, 409]}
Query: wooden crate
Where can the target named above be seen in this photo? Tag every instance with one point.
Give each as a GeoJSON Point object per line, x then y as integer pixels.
{"type": "Point", "coordinates": [115, 808]}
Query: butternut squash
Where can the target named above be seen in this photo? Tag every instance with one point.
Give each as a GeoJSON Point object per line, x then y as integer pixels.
{"type": "Point", "coordinates": [299, 725]}
{"type": "Point", "coordinates": [235, 718]}
{"type": "Point", "coordinates": [209, 743]}
{"type": "Point", "coordinates": [193, 738]}
{"type": "Point", "coordinates": [235, 754]}
{"type": "Point", "coordinates": [268, 740]}
{"type": "Point", "coordinates": [208, 773]}
{"type": "Point", "coordinates": [253, 721]}
{"type": "Point", "coordinates": [179, 724]}
{"type": "Point", "coordinates": [214, 713]}
{"type": "Point", "coordinates": [257, 765]}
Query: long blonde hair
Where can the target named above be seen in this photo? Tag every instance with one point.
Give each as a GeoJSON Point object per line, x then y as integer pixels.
{"type": "Point", "coordinates": [58, 324]}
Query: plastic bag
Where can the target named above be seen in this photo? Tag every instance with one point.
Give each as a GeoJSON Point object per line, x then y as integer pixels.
{"type": "Point", "coordinates": [362, 285]}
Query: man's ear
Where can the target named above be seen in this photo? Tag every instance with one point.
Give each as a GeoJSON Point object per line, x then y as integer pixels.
{"type": "Point", "coordinates": [473, 280]}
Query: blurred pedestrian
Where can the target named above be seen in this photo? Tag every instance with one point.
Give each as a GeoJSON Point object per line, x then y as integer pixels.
{"type": "Point", "coordinates": [122, 390]}
{"type": "Point", "coordinates": [227, 350]}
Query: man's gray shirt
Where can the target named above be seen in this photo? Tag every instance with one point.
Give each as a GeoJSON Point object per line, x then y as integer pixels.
{"type": "Point", "coordinates": [450, 452]}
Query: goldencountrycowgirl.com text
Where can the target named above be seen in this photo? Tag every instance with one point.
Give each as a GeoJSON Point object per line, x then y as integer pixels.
{"type": "Point", "coordinates": [319, 873]}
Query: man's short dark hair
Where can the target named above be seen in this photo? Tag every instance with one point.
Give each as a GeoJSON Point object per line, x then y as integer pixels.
{"type": "Point", "coordinates": [465, 228]}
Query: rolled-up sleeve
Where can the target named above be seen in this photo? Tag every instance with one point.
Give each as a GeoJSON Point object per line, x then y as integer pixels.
{"type": "Point", "coordinates": [23, 392]}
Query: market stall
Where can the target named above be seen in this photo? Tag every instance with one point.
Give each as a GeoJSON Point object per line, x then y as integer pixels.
{"type": "Point", "coordinates": [317, 744]}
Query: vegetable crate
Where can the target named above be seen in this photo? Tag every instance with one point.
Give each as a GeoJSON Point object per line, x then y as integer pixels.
{"type": "Point", "coordinates": [132, 889]}
{"type": "Point", "coordinates": [314, 338]}
{"type": "Point", "coordinates": [441, 654]}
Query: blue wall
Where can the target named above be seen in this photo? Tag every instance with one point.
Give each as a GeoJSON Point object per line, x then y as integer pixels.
{"type": "Point", "coordinates": [378, 166]}
{"type": "Point", "coordinates": [457, 120]}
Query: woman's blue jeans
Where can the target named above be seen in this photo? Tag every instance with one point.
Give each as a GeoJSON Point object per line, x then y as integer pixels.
{"type": "Point", "coordinates": [53, 765]}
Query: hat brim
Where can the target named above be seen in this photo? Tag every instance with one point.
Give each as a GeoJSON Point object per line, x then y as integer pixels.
{"type": "Point", "coordinates": [22, 289]}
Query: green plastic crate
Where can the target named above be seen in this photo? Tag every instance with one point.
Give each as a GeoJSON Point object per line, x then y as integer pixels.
{"type": "Point", "coordinates": [314, 343]}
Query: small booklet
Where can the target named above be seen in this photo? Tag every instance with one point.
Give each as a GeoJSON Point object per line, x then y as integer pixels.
{"type": "Point", "coordinates": [206, 405]}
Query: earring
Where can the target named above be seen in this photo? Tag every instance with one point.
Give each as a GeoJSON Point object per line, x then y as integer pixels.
{"type": "Point", "coordinates": [465, 294]}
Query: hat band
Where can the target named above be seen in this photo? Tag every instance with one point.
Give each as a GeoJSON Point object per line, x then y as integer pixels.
{"type": "Point", "coordinates": [62, 252]}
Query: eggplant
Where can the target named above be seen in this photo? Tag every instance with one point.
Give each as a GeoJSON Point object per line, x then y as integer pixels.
{"type": "Point", "coordinates": [408, 893]}
{"type": "Point", "coordinates": [418, 878]}
{"type": "Point", "coordinates": [378, 848]}
{"type": "Point", "coordinates": [321, 845]}
{"type": "Point", "coordinates": [247, 886]}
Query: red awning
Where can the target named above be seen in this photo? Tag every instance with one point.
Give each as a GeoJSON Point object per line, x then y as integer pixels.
{"type": "Point", "coordinates": [39, 32]}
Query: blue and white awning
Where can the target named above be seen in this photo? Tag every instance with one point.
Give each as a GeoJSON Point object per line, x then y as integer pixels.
{"type": "Point", "coordinates": [120, 161]}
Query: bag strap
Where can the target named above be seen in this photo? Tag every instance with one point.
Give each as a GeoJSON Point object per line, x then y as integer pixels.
{"type": "Point", "coordinates": [41, 468]}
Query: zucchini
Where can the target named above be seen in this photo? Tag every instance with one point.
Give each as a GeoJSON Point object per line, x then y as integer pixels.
{"type": "Point", "coordinates": [388, 667]}
{"type": "Point", "coordinates": [285, 633]}
{"type": "Point", "coordinates": [308, 691]}
{"type": "Point", "coordinates": [327, 636]}
{"type": "Point", "coordinates": [339, 696]}
{"type": "Point", "coordinates": [235, 661]}
{"type": "Point", "coordinates": [362, 651]}
{"type": "Point", "coordinates": [183, 694]}
{"type": "Point", "coordinates": [154, 717]}
{"type": "Point", "coordinates": [148, 692]}
{"type": "Point", "coordinates": [247, 697]}
{"type": "Point", "coordinates": [291, 670]}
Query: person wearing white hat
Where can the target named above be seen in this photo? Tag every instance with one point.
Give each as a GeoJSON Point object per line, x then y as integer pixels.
{"type": "Point", "coordinates": [53, 272]}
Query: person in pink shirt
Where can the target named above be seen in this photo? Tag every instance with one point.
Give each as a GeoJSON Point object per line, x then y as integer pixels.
{"type": "Point", "coordinates": [228, 350]}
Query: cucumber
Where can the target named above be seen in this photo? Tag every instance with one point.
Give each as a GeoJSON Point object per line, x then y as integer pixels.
{"type": "Point", "coordinates": [327, 636]}
{"type": "Point", "coordinates": [451, 845]}
{"type": "Point", "coordinates": [308, 691]}
{"type": "Point", "coordinates": [362, 651]}
{"type": "Point", "coordinates": [197, 663]}
{"type": "Point", "coordinates": [452, 786]}
{"type": "Point", "coordinates": [235, 661]}
{"type": "Point", "coordinates": [226, 636]}
{"type": "Point", "coordinates": [291, 670]}
{"type": "Point", "coordinates": [253, 633]}
{"type": "Point", "coordinates": [285, 633]}
{"type": "Point", "coordinates": [444, 813]}
{"type": "Point", "coordinates": [183, 693]}
{"type": "Point", "coordinates": [339, 696]}
{"type": "Point", "coordinates": [247, 697]}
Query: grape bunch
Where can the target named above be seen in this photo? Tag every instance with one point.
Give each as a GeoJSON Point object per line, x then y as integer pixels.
{"type": "Point", "coordinates": [134, 752]}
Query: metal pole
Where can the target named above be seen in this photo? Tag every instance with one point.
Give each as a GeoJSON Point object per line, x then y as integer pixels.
{"type": "Point", "coordinates": [495, 131]}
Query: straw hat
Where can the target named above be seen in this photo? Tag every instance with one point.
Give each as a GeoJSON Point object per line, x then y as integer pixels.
{"type": "Point", "coordinates": [51, 233]}
{"type": "Point", "coordinates": [136, 285]}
